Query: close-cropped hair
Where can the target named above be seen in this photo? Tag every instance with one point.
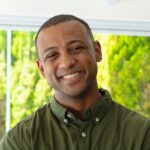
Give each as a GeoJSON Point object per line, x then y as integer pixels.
{"type": "Point", "coordinates": [60, 19]}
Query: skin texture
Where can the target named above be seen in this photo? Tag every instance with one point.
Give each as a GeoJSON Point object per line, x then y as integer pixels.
{"type": "Point", "coordinates": [68, 60]}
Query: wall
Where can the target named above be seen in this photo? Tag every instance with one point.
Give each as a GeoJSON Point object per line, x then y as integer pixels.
{"type": "Point", "coordinates": [129, 10]}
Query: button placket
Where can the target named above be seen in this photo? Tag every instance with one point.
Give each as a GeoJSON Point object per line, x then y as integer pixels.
{"type": "Point", "coordinates": [83, 139]}
{"type": "Point", "coordinates": [83, 133]}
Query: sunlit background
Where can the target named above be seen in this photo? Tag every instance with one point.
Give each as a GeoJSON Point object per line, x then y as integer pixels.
{"type": "Point", "coordinates": [124, 71]}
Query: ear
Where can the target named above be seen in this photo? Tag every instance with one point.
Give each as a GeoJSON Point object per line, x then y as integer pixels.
{"type": "Point", "coordinates": [98, 51]}
{"type": "Point", "coordinates": [40, 67]}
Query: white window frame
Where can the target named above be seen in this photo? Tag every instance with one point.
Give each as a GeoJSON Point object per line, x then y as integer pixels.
{"type": "Point", "coordinates": [103, 26]}
{"type": "Point", "coordinates": [10, 23]}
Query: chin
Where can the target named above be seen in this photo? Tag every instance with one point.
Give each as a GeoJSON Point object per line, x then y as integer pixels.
{"type": "Point", "coordinates": [75, 92]}
{"type": "Point", "coordinates": [72, 93]}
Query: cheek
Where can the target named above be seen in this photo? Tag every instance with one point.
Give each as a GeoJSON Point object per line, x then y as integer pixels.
{"type": "Point", "coordinates": [91, 66]}
{"type": "Point", "coordinates": [48, 69]}
{"type": "Point", "coordinates": [90, 61]}
{"type": "Point", "coordinates": [50, 72]}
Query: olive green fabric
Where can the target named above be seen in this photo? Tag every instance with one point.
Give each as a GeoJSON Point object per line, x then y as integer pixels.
{"type": "Point", "coordinates": [106, 126]}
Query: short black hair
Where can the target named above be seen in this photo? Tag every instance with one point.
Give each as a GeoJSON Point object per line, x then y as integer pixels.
{"type": "Point", "coordinates": [63, 18]}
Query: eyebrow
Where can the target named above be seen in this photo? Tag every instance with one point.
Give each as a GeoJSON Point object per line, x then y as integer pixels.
{"type": "Point", "coordinates": [49, 48]}
{"type": "Point", "coordinates": [76, 41]}
{"type": "Point", "coordinates": [55, 47]}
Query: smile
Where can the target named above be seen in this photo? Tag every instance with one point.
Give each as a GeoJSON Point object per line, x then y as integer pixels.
{"type": "Point", "coordinates": [69, 76]}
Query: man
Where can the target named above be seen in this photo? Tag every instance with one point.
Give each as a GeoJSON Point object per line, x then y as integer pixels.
{"type": "Point", "coordinates": [80, 116]}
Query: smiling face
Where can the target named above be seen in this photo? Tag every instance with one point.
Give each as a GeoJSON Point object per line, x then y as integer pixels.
{"type": "Point", "coordinates": [68, 58]}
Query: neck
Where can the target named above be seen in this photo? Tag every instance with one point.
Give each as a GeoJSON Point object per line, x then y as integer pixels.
{"type": "Point", "coordinates": [79, 104]}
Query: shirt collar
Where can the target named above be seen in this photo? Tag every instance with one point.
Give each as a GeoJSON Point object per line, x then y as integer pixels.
{"type": "Point", "coordinates": [98, 110]}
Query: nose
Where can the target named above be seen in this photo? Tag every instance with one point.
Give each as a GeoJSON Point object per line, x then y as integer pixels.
{"type": "Point", "coordinates": [67, 61]}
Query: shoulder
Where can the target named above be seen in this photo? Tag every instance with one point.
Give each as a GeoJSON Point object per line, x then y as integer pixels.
{"type": "Point", "coordinates": [131, 126]}
{"type": "Point", "coordinates": [130, 122]}
{"type": "Point", "coordinates": [127, 115]}
{"type": "Point", "coordinates": [21, 134]}
{"type": "Point", "coordinates": [14, 137]}
{"type": "Point", "coordinates": [27, 123]}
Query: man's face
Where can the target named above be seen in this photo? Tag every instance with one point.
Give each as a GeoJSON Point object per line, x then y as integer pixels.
{"type": "Point", "coordinates": [68, 58]}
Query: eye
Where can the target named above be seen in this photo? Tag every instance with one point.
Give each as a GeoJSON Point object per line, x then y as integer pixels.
{"type": "Point", "coordinates": [76, 49]}
{"type": "Point", "coordinates": [51, 56]}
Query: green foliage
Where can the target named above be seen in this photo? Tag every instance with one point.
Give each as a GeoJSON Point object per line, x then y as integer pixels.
{"type": "Point", "coordinates": [102, 75]}
{"type": "Point", "coordinates": [129, 71]}
{"type": "Point", "coordinates": [28, 89]}
{"type": "Point", "coordinates": [2, 81]}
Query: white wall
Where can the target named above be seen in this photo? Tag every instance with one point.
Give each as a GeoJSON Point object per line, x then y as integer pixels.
{"type": "Point", "coordinates": [129, 10]}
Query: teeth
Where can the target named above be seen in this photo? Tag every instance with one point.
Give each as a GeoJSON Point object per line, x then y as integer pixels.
{"type": "Point", "coordinates": [70, 75]}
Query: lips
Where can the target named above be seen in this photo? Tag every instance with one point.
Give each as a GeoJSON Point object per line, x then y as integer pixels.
{"type": "Point", "coordinates": [71, 76]}
{"type": "Point", "coordinates": [69, 73]}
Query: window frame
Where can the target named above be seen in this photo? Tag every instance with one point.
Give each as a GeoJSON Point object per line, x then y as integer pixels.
{"type": "Point", "coordinates": [128, 27]}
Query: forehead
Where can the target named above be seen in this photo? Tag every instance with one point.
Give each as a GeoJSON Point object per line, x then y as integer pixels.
{"type": "Point", "coordinates": [68, 28]}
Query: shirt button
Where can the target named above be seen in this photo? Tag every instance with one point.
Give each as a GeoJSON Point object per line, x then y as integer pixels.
{"type": "Point", "coordinates": [97, 119]}
{"type": "Point", "coordinates": [66, 121]}
{"type": "Point", "coordinates": [69, 115]}
{"type": "Point", "coordinates": [83, 134]}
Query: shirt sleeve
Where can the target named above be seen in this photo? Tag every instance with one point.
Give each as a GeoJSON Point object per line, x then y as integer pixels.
{"type": "Point", "coordinates": [146, 145]}
{"type": "Point", "coordinates": [10, 142]}
{"type": "Point", "coordinates": [17, 138]}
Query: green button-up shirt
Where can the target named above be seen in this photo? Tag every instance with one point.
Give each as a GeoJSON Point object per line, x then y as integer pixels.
{"type": "Point", "coordinates": [106, 126]}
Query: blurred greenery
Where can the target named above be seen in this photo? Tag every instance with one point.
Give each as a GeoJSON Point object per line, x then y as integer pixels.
{"type": "Point", "coordinates": [2, 81]}
{"type": "Point", "coordinates": [29, 90]}
{"type": "Point", "coordinates": [124, 71]}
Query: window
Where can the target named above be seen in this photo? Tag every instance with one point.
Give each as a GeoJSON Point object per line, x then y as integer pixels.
{"type": "Point", "coordinates": [22, 86]}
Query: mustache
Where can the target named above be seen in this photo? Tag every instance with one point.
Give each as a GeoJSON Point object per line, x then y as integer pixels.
{"type": "Point", "coordinates": [65, 71]}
